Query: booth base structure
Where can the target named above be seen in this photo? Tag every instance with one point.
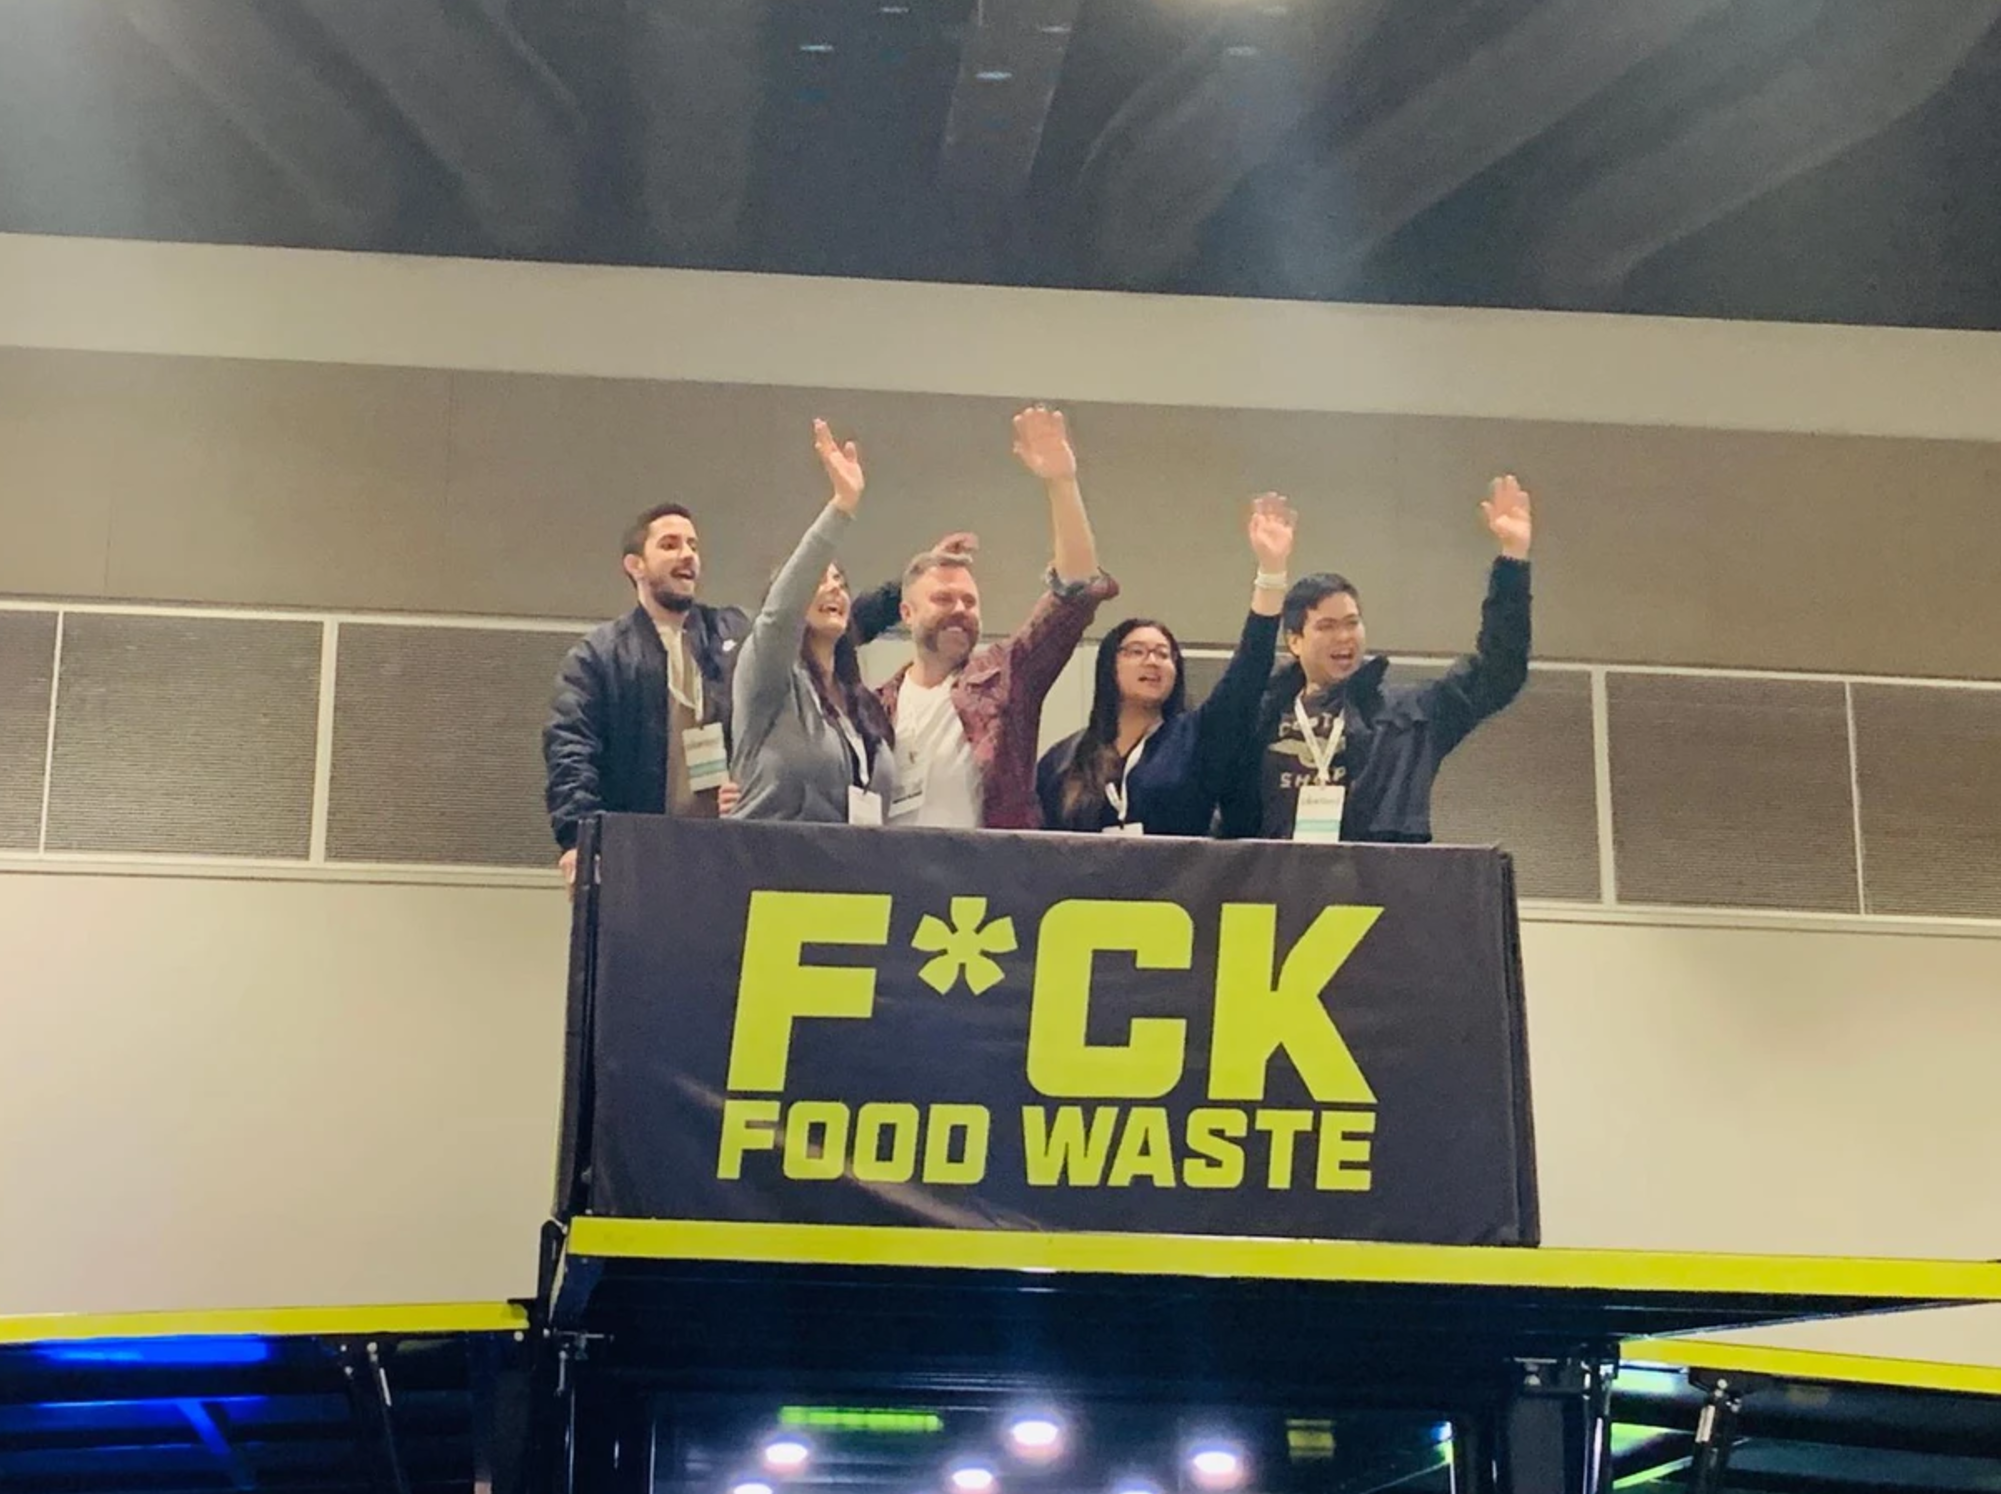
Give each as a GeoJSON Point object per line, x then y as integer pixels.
{"type": "Point", "coordinates": [667, 1362]}
{"type": "Point", "coordinates": [1505, 1357]}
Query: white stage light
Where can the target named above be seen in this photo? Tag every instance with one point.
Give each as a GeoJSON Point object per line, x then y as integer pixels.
{"type": "Point", "coordinates": [1215, 1465]}
{"type": "Point", "coordinates": [1035, 1438]}
{"type": "Point", "coordinates": [786, 1455]}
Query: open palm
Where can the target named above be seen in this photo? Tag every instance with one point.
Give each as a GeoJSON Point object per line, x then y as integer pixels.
{"type": "Point", "coordinates": [843, 464]}
{"type": "Point", "coordinates": [1506, 510]}
{"type": "Point", "coordinates": [1042, 442]}
{"type": "Point", "coordinates": [1273, 522]}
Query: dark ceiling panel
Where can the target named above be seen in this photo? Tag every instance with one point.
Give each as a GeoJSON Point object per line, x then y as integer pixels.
{"type": "Point", "coordinates": [1009, 66]}
{"type": "Point", "coordinates": [696, 79]}
{"type": "Point", "coordinates": [1859, 71]}
{"type": "Point", "coordinates": [329, 147]}
{"type": "Point", "coordinates": [1185, 139]}
{"type": "Point", "coordinates": [99, 135]}
{"type": "Point", "coordinates": [1473, 115]}
{"type": "Point", "coordinates": [484, 105]}
{"type": "Point", "coordinates": [1823, 160]}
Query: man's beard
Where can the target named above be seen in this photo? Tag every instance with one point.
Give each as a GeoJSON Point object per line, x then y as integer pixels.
{"type": "Point", "coordinates": [934, 641]}
{"type": "Point", "coordinates": [672, 601]}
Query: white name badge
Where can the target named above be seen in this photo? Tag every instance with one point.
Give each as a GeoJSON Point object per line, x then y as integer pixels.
{"type": "Point", "coordinates": [1133, 828]}
{"type": "Point", "coordinates": [1319, 816]}
{"type": "Point", "coordinates": [864, 808]}
{"type": "Point", "coordinates": [707, 759]}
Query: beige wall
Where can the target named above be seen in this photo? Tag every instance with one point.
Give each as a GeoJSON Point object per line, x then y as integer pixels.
{"type": "Point", "coordinates": [470, 437]}
{"type": "Point", "coordinates": [231, 302]}
{"type": "Point", "coordinates": [338, 487]}
{"type": "Point", "coordinates": [219, 1093]}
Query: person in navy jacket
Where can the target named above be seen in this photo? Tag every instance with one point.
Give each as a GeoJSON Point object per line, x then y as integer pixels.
{"type": "Point", "coordinates": [1341, 753]}
{"type": "Point", "coordinates": [1145, 764]}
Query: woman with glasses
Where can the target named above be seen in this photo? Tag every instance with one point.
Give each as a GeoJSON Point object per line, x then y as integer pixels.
{"type": "Point", "coordinates": [812, 741]}
{"type": "Point", "coordinates": [1145, 764]}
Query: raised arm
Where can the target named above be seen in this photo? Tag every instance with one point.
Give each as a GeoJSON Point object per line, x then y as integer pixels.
{"type": "Point", "coordinates": [1043, 644]}
{"type": "Point", "coordinates": [764, 664]}
{"type": "Point", "coordinates": [1484, 681]}
{"type": "Point", "coordinates": [1042, 442]}
{"type": "Point", "coordinates": [1229, 716]}
{"type": "Point", "coordinates": [877, 611]}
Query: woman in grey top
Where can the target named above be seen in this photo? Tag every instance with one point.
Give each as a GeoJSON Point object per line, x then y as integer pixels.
{"type": "Point", "coordinates": [812, 741]}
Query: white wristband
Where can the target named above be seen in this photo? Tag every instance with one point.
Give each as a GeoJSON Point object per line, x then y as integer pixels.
{"type": "Point", "coordinates": [1270, 581]}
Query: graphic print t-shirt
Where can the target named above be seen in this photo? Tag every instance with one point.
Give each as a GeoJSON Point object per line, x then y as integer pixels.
{"type": "Point", "coordinates": [1289, 762]}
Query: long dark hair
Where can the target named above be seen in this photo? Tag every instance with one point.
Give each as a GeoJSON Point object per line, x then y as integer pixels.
{"type": "Point", "coordinates": [847, 695]}
{"type": "Point", "coordinates": [1096, 757]}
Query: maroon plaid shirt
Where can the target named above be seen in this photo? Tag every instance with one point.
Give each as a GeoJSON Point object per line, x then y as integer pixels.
{"type": "Point", "coordinates": [999, 696]}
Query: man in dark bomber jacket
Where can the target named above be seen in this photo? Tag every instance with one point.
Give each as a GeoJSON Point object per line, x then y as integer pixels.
{"type": "Point", "coordinates": [1330, 722]}
{"type": "Point", "coordinates": [608, 745]}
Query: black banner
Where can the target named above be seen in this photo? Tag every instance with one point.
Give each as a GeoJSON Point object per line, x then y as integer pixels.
{"type": "Point", "coordinates": [829, 1025]}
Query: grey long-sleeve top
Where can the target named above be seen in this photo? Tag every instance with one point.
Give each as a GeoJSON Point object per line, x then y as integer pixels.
{"type": "Point", "coordinates": [789, 761]}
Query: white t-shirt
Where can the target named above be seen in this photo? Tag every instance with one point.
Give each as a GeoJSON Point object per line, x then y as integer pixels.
{"type": "Point", "coordinates": [931, 746]}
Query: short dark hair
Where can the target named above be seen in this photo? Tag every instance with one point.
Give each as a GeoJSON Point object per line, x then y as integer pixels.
{"type": "Point", "coordinates": [1309, 592]}
{"type": "Point", "coordinates": [635, 536]}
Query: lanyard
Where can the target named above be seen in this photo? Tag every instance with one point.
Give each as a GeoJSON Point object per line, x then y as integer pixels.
{"type": "Point", "coordinates": [1119, 793]}
{"type": "Point", "coordinates": [678, 663]}
{"type": "Point", "coordinates": [857, 752]}
{"type": "Point", "coordinates": [1323, 756]}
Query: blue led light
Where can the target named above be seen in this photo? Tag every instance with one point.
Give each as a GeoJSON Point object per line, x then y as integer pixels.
{"type": "Point", "coordinates": [167, 1352]}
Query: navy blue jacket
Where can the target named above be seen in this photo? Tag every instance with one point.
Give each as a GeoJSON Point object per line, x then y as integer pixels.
{"type": "Point", "coordinates": [605, 746]}
{"type": "Point", "coordinates": [1187, 762]}
{"type": "Point", "coordinates": [1398, 735]}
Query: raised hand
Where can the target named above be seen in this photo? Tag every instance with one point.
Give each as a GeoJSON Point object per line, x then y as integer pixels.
{"type": "Point", "coordinates": [844, 467]}
{"type": "Point", "coordinates": [961, 542]}
{"type": "Point", "coordinates": [1042, 442]}
{"type": "Point", "coordinates": [1506, 510]}
{"type": "Point", "coordinates": [1273, 521]}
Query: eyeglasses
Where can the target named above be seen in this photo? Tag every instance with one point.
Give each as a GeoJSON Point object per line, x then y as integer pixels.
{"type": "Point", "coordinates": [1153, 653]}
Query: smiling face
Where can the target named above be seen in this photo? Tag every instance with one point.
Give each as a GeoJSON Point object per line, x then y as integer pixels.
{"type": "Point", "coordinates": [942, 608]}
{"type": "Point", "coordinates": [1146, 669]}
{"type": "Point", "coordinates": [827, 618]}
{"type": "Point", "coordinates": [668, 567]}
{"type": "Point", "coordinates": [1330, 641]}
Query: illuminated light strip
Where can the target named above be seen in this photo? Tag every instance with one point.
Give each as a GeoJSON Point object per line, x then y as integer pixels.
{"type": "Point", "coordinates": [274, 1322]}
{"type": "Point", "coordinates": [1813, 1364]}
{"type": "Point", "coordinates": [860, 1419]}
{"type": "Point", "coordinates": [1284, 1260]}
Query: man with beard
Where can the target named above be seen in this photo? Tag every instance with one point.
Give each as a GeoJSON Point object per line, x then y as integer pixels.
{"type": "Point", "coordinates": [1341, 755]}
{"type": "Point", "coordinates": [641, 702]}
{"type": "Point", "coordinates": [967, 720]}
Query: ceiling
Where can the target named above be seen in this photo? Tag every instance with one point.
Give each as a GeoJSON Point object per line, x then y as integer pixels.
{"type": "Point", "coordinates": [1823, 160]}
